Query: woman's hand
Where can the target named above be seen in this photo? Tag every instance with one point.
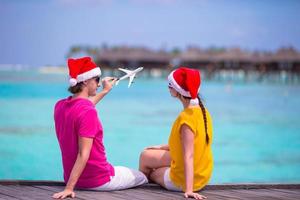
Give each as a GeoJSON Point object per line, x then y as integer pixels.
{"type": "Point", "coordinates": [194, 195]}
{"type": "Point", "coordinates": [64, 194]}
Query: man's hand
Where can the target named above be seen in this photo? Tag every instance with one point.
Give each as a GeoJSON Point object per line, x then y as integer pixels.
{"type": "Point", "coordinates": [108, 83]}
{"type": "Point", "coordinates": [64, 194]}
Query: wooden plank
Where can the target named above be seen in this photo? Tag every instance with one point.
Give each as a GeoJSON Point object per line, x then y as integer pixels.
{"type": "Point", "coordinates": [25, 192]}
{"type": "Point", "coordinates": [51, 188]}
{"type": "Point", "coordinates": [264, 194]}
{"type": "Point", "coordinates": [291, 191]}
{"type": "Point", "coordinates": [135, 195]}
{"type": "Point", "coordinates": [221, 195]}
{"type": "Point", "coordinates": [157, 193]}
{"type": "Point", "coordinates": [278, 194]}
{"type": "Point", "coordinates": [208, 187]}
{"type": "Point", "coordinates": [83, 194]}
{"type": "Point", "coordinates": [96, 195]}
{"type": "Point", "coordinates": [153, 195]}
{"type": "Point", "coordinates": [212, 195]}
{"type": "Point", "coordinates": [29, 183]}
{"type": "Point", "coordinates": [7, 197]}
{"type": "Point", "coordinates": [122, 194]}
{"type": "Point", "coordinates": [253, 193]}
{"type": "Point", "coordinates": [288, 194]}
{"type": "Point", "coordinates": [164, 192]}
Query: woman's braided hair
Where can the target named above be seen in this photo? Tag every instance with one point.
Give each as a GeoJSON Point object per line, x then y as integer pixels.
{"type": "Point", "coordinates": [204, 118]}
{"type": "Point", "coordinates": [203, 113]}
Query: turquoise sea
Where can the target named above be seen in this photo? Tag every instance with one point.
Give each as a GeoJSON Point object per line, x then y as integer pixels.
{"type": "Point", "coordinates": [256, 126]}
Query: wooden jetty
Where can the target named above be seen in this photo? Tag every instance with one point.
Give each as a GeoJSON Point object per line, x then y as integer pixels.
{"type": "Point", "coordinates": [29, 190]}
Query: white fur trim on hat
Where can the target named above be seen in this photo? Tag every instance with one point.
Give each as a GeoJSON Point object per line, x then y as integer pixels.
{"type": "Point", "coordinates": [86, 75]}
{"type": "Point", "coordinates": [177, 87]}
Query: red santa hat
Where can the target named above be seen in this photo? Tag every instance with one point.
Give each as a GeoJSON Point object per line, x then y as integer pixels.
{"type": "Point", "coordinates": [186, 81]}
{"type": "Point", "coordinates": [82, 69]}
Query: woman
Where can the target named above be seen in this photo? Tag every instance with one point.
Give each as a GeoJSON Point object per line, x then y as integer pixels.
{"type": "Point", "coordinates": [80, 135]}
{"type": "Point", "coordinates": [186, 163]}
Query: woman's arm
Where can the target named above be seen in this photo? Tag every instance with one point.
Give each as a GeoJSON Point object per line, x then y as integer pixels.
{"type": "Point", "coordinates": [85, 146]}
{"type": "Point", "coordinates": [187, 141]}
{"type": "Point", "coordinates": [107, 84]}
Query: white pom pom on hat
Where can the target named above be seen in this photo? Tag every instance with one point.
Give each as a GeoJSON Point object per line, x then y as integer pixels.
{"type": "Point", "coordinates": [73, 82]}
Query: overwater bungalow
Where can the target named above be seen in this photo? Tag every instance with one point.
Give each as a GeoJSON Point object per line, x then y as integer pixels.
{"type": "Point", "coordinates": [237, 59]}
{"type": "Point", "coordinates": [287, 59]}
{"type": "Point", "coordinates": [207, 59]}
{"type": "Point", "coordinates": [133, 57]}
{"type": "Point", "coordinates": [212, 62]}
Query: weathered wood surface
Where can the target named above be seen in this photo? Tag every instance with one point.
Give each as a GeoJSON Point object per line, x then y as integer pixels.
{"type": "Point", "coordinates": [29, 190]}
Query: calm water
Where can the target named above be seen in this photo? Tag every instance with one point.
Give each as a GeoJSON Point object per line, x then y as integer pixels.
{"type": "Point", "coordinates": [256, 126]}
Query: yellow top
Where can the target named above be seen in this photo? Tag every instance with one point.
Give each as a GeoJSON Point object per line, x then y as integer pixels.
{"type": "Point", "coordinates": [203, 160]}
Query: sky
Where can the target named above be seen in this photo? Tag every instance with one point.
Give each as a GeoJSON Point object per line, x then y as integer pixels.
{"type": "Point", "coordinates": [41, 32]}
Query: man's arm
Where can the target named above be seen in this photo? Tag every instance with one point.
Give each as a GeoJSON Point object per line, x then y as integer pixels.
{"type": "Point", "coordinates": [85, 146]}
{"type": "Point", "coordinates": [107, 84]}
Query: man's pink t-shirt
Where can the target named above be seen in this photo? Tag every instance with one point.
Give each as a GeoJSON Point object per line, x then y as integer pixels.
{"type": "Point", "coordinates": [74, 118]}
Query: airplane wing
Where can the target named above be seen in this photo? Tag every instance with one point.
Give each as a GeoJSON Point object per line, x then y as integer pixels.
{"type": "Point", "coordinates": [130, 80]}
{"type": "Point", "coordinates": [125, 70]}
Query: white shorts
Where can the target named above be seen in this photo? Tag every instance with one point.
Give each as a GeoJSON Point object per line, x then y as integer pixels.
{"type": "Point", "coordinates": [169, 185]}
{"type": "Point", "coordinates": [124, 178]}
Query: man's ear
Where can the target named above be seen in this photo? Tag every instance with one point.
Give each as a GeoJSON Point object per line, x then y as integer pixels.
{"type": "Point", "coordinates": [85, 82]}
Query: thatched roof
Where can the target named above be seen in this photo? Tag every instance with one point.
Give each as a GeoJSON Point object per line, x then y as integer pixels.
{"type": "Point", "coordinates": [235, 55]}
{"type": "Point", "coordinates": [196, 55]}
{"type": "Point", "coordinates": [238, 55]}
{"type": "Point", "coordinates": [286, 55]}
{"type": "Point", "coordinates": [133, 54]}
{"type": "Point", "coordinates": [140, 54]}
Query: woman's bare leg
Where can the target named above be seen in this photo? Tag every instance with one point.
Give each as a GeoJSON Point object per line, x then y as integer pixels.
{"type": "Point", "coordinates": [157, 176]}
{"type": "Point", "coordinates": [153, 159]}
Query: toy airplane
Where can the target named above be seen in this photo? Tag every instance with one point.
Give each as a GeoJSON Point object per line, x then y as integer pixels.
{"type": "Point", "coordinates": [129, 74]}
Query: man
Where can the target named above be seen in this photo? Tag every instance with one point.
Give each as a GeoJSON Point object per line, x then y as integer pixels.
{"type": "Point", "coordinates": [80, 135]}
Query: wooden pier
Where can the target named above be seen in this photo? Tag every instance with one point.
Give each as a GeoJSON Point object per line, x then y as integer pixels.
{"type": "Point", "coordinates": [29, 190]}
